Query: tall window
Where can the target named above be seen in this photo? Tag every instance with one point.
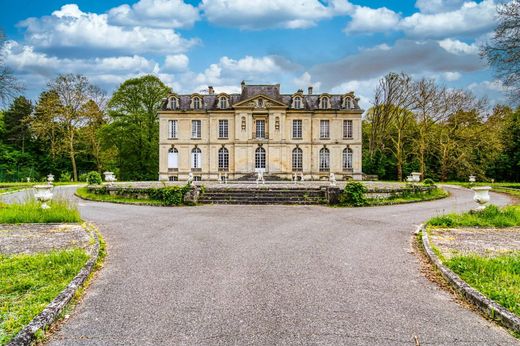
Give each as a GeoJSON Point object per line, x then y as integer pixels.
{"type": "Point", "coordinates": [298, 102]}
{"type": "Point", "coordinates": [297, 129]}
{"type": "Point", "coordinates": [173, 103]}
{"type": "Point", "coordinates": [347, 129]}
{"type": "Point", "coordinates": [324, 129]}
{"type": "Point", "coordinates": [196, 158]}
{"type": "Point", "coordinates": [297, 159]}
{"type": "Point", "coordinates": [173, 159]}
{"type": "Point", "coordinates": [172, 129]}
{"type": "Point", "coordinates": [348, 103]}
{"type": "Point", "coordinates": [223, 129]}
{"type": "Point", "coordinates": [196, 103]}
{"type": "Point", "coordinates": [324, 160]}
{"type": "Point", "coordinates": [260, 129]}
{"type": "Point", "coordinates": [223, 159]}
{"type": "Point", "coordinates": [196, 127]}
{"type": "Point", "coordinates": [324, 103]}
{"type": "Point", "coordinates": [222, 103]}
{"type": "Point", "coordinates": [347, 159]}
{"type": "Point", "coordinates": [260, 157]}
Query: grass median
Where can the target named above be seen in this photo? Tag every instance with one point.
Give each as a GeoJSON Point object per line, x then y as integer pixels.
{"type": "Point", "coordinates": [31, 212]}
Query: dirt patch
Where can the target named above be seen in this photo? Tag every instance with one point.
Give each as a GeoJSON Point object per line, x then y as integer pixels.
{"type": "Point", "coordinates": [32, 238]}
{"type": "Point", "coordinates": [481, 241]}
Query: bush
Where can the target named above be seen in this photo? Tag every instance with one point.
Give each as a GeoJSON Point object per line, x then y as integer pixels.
{"type": "Point", "coordinates": [82, 177]}
{"type": "Point", "coordinates": [354, 195]}
{"type": "Point", "coordinates": [94, 178]}
{"type": "Point", "coordinates": [173, 195]}
{"type": "Point", "coordinates": [428, 182]}
{"type": "Point", "coordinates": [65, 177]}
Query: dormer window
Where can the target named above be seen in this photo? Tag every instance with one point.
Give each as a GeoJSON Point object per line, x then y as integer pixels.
{"type": "Point", "coordinates": [324, 102]}
{"type": "Point", "coordinates": [297, 103]}
{"type": "Point", "coordinates": [223, 102]}
{"type": "Point", "coordinates": [348, 103]}
{"type": "Point", "coordinates": [173, 103]}
{"type": "Point", "coordinates": [196, 103]}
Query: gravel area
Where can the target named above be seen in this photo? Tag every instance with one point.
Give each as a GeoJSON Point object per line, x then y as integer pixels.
{"type": "Point", "coordinates": [481, 241]}
{"type": "Point", "coordinates": [32, 238]}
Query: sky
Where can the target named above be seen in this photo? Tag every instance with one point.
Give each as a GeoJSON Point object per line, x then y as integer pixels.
{"type": "Point", "coordinates": [336, 46]}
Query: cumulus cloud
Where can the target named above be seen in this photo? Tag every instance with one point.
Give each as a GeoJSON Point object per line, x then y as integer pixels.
{"type": "Point", "coordinates": [406, 56]}
{"type": "Point", "coordinates": [305, 80]}
{"type": "Point", "coordinates": [262, 14]}
{"type": "Point", "coordinates": [372, 20]}
{"type": "Point", "coordinates": [436, 6]}
{"type": "Point", "coordinates": [155, 13]}
{"type": "Point", "coordinates": [458, 47]}
{"type": "Point", "coordinates": [71, 28]}
{"type": "Point", "coordinates": [178, 62]}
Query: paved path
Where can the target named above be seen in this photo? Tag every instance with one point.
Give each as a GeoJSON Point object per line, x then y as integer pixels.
{"type": "Point", "coordinates": [269, 275]}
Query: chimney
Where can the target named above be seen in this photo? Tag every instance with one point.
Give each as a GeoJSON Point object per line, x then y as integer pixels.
{"type": "Point", "coordinates": [243, 84]}
{"type": "Point", "coordinates": [310, 90]}
{"type": "Point", "coordinates": [211, 91]}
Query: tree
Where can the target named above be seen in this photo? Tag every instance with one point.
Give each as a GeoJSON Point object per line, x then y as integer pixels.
{"type": "Point", "coordinates": [135, 129]}
{"type": "Point", "coordinates": [503, 52]}
{"type": "Point", "coordinates": [17, 131]}
{"type": "Point", "coordinates": [91, 132]}
{"type": "Point", "coordinates": [9, 85]}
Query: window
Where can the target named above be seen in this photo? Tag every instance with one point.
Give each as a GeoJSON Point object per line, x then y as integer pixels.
{"type": "Point", "coordinates": [347, 103]}
{"type": "Point", "coordinates": [173, 178]}
{"type": "Point", "coordinates": [223, 159]}
{"type": "Point", "coordinates": [173, 159]}
{"type": "Point", "coordinates": [172, 129]}
{"type": "Point", "coordinates": [196, 103]}
{"type": "Point", "coordinates": [347, 159]}
{"type": "Point", "coordinates": [196, 158]}
{"type": "Point", "coordinates": [297, 159]}
{"type": "Point", "coordinates": [173, 104]}
{"type": "Point", "coordinates": [298, 102]}
{"type": "Point", "coordinates": [297, 129]}
{"type": "Point", "coordinates": [324, 103]}
{"type": "Point", "coordinates": [260, 129]}
{"type": "Point", "coordinates": [223, 129]}
{"type": "Point", "coordinates": [260, 157]}
{"type": "Point", "coordinates": [347, 129]}
{"type": "Point", "coordinates": [222, 103]}
{"type": "Point", "coordinates": [196, 128]}
{"type": "Point", "coordinates": [243, 125]}
{"type": "Point", "coordinates": [324, 160]}
{"type": "Point", "coordinates": [324, 129]}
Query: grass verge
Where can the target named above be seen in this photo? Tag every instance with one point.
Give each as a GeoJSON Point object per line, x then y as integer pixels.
{"type": "Point", "coordinates": [31, 212]}
{"type": "Point", "coordinates": [491, 216]}
{"type": "Point", "coordinates": [498, 277]}
{"type": "Point", "coordinates": [28, 283]}
{"type": "Point", "coordinates": [414, 197]}
{"type": "Point", "coordinates": [82, 192]}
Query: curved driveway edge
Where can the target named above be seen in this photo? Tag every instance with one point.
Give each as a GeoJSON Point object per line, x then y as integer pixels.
{"type": "Point", "coordinates": [487, 306]}
{"type": "Point", "coordinates": [52, 311]}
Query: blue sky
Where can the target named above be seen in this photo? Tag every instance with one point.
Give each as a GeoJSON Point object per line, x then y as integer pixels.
{"type": "Point", "coordinates": [334, 45]}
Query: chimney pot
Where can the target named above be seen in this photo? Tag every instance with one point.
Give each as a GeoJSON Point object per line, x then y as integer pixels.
{"type": "Point", "coordinates": [211, 91]}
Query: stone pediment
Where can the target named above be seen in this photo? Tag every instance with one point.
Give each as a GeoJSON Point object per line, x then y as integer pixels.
{"type": "Point", "coordinates": [260, 102]}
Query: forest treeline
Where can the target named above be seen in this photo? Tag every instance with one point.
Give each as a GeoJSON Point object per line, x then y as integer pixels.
{"type": "Point", "coordinates": [412, 125]}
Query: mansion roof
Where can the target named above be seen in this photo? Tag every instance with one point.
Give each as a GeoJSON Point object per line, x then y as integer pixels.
{"type": "Point", "coordinates": [309, 101]}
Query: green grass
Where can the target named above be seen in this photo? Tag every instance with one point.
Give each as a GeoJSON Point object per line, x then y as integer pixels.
{"type": "Point", "coordinates": [492, 216]}
{"type": "Point", "coordinates": [30, 212]}
{"type": "Point", "coordinates": [83, 193]}
{"type": "Point", "coordinates": [28, 283]}
{"type": "Point", "coordinates": [498, 278]}
{"type": "Point", "coordinates": [415, 197]}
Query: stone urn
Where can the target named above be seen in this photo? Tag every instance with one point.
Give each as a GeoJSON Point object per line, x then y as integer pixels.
{"type": "Point", "coordinates": [472, 179]}
{"type": "Point", "coordinates": [416, 177]}
{"type": "Point", "coordinates": [481, 196]}
{"type": "Point", "coordinates": [43, 194]}
{"type": "Point", "coordinates": [109, 177]}
{"type": "Point", "coordinates": [50, 178]}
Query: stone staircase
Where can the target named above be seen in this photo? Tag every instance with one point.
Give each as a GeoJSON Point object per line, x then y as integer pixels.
{"type": "Point", "coordinates": [264, 195]}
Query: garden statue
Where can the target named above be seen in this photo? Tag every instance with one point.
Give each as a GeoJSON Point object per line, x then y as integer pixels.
{"type": "Point", "coordinates": [332, 179]}
{"type": "Point", "coordinates": [472, 179]}
{"type": "Point", "coordinates": [301, 176]}
{"type": "Point", "coordinates": [260, 177]}
{"type": "Point", "coordinates": [190, 179]}
{"type": "Point", "coordinates": [50, 178]}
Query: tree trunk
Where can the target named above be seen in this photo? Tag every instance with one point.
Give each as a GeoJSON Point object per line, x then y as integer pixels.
{"type": "Point", "coordinates": [73, 158]}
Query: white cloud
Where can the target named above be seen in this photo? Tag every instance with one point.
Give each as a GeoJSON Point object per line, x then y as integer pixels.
{"type": "Point", "coordinates": [71, 28]}
{"type": "Point", "coordinates": [261, 14]}
{"type": "Point", "coordinates": [155, 13]}
{"type": "Point", "coordinates": [372, 20]}
{"type": "Point", "coordinates": [458, 47]}
{"type": "Point", "coordinates": [451, 76]}
{"type": "Point", "coordinates": [305, 80]}
{"type": "Point", "coordinates": [178, 62]}
{"type": "Point", "coordinates": [436, 6]}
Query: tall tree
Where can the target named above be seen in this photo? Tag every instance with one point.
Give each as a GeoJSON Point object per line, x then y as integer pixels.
{"type": "Point", "coordinates": [135, 128]}
{"type": "Point", "coordinates": [503, 52]}
{"type": "Point", "coordinates": [16, 129]}
{"type": "Point", "coordinates": [9, 85]}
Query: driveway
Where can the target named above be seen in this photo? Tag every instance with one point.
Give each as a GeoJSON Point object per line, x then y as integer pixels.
{"type": "Point", "coordinates": [269, 275]}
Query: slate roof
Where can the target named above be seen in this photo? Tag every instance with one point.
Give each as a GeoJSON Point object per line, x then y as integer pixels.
{"type": "Point", "coordinates": [210, 101]}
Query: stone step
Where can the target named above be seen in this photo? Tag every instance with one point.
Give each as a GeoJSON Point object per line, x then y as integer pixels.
{"type": "Point", "coordinates": [260, 201]}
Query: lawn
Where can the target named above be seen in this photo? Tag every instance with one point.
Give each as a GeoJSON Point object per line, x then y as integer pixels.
{"type": "Point", "coordinates": [30, 212]}
{"type": "Point", "coordinates": [413, 197]}
{"type": "Point", "coordinates": [28, 283]}
{"type": "Point", "coordinates": [492, 216]}
{"type": "Point", "coordinates": [82, 192]}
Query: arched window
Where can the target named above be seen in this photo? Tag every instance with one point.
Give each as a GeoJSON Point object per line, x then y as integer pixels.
{"type": "Point", "coordinates": [324, 160]}
{"type": "Point", "coordinates": [174, 103]}
{"type": "Point", "coordinates": [260, 158]}
{"type": "Point", "coordinates": [297, 159]}
{"type": "Point", "coordinates": [196, 103]}
{"type": "Point", "coordinates": [173, 159]}
{"type": "Point", "coordinates": [223, 159]}
{"type": "Point", "coordinates": [223, 102]}
{"type": "Point", "coordinates": [324, 103]}
{"type": "Point", "coordinates": [348, 103]}
{"type": "Point", "coordinates": [297, 102]}
{"type": "Point", "coordinates": [347, 159]}
{"type": "Point", "coordinates": [196, 158]}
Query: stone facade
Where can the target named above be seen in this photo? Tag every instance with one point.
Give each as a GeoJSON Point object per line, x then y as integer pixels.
{"type": "Point", "coordinates": [235, 135]}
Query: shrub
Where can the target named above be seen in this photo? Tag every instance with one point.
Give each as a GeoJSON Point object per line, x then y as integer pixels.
{"type": "Point", "coordinates": [65, 177]}
{"type": "Point", "coordinates": [173, 195]}
{"type": "Point", "coordinates": [94, 178]}
{"type": "Point", "coordinates": [428, 182]}
{"type": "Point", "coordinates": [82, 177]}
{"type": "Point", "coordinates": [354, 195]}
